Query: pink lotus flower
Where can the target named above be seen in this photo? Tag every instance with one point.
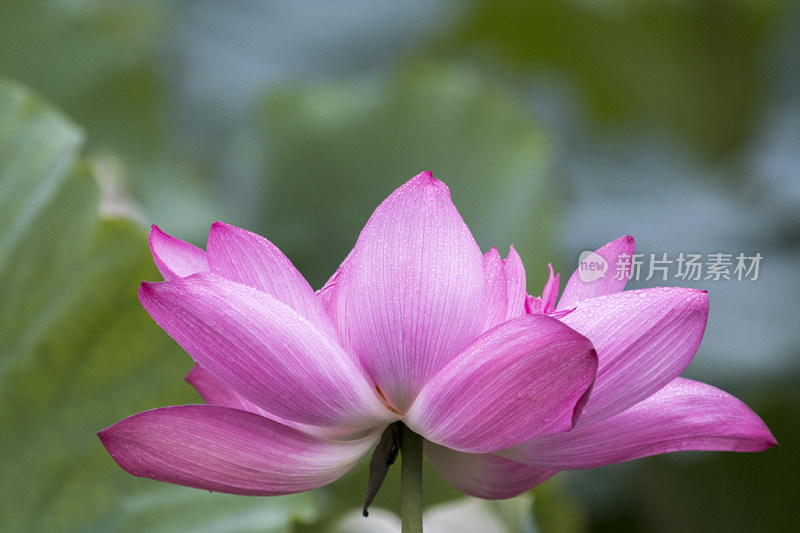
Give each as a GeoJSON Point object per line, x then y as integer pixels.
{"type": "Point", "coordinates": [417, 326]}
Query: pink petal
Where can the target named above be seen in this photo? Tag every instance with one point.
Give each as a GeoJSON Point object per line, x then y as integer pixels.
{"type": "Point", "coordinates": [247, 258]}
{"type": "Point", "coordinates": [327, 291]}
{"type": "Point", "coordinates": [216, 392]}
{"type": "Point", "coordinates": [484, 475]}
{"type": "Point", "coordinates": [174, 257]}
{"type": "Point", "coordinates": [524, 378]}
{"type": "Point", "coordinates": [550, 291]}
{"type": "Point", "coordinates": [505, 287]}
{"type": "Point", "coordinates": [515, 284]}
{"type": "Point", "coordinates": [228, 450]}
{"type": "Point", "coordinates": [265, 351]}
{"type": "Point", "coordinates": [684, 415]}
{"type": "Point", "coordinates": [615, 277]}
{"type": "Point", "coordinates": [411, 293]}
{"type": "Point", "coordinates": [496, 289]}
{"type": "Point", "coordinates": [643, 338]}
{"type": "Point", "coordinates": [547, 303]}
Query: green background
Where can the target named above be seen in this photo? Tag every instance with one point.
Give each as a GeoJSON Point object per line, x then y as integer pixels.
{"type": "Point", "coordinates": [558, 125]}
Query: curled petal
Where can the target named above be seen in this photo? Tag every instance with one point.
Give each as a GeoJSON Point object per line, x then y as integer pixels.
{"type": "Point", "coordinates": [524, 378]}
{"type": "Point", "coordinates": [227, 450]}
{"type": "Point", "coordinates": [247, 258]}
{"type": "Point", "coordinates": [617, 255]}
{"type": "Point", "coordinates": [484, 475]}
{"type": "Point", "coordinates": [550, 291]}
{"type": "Point", "coordinates": [684, 415]}
{"type": "Point", "coordinates": [644, 339]}
{"type": "Point", "coordinates": [547, 303]}
{"type": "Point", "coordinates": [411, 293]}
{"type": "Point", "coordinates": [264, 351]}
{"type": "Point", "coordinates": [176, 258]}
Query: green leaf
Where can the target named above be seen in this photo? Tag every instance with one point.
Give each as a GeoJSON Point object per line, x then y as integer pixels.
{"type": "Point", "coordinates": [168, 509]}
{"type": "Point", "coordinates": [78, 353]}
{"type": "Point", "coordinates": [98, 60]}
{"type": "Point", "coordinates": [338, 149]}
{"type": "Point", "coordinates": [94, 59]}
{"type": "Point", "coordinates": [658, 62]}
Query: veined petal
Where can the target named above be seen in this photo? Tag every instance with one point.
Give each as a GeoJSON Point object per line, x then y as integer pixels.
{"type": "Point", "coordinates": [684, 415]}
{"type": "Point", "coordinates": [496, 289]}
{"type": "Point", "coordinates": [325, 294]}
{"type": "Point", "coordinates": [515, 284]}
{"type": "Point", "coordinates": [244, 257]}
{"type": "Point", "coordinates": [547, 303]}
{"type": "Point", "coordinates": [617, 255]}
{"type": "Point", "coordinates": [411, 294]}
{"type": "Point", "coordinates": [265, 351]}
{"type": "Point", "coordinates": [550, 291]}
{"type": "Point", "coordinates": [484, 475]}
{"type": "Point", "coordinates": [176, 258]}
{"type": "Point", "coordinates": [524, 378]}
{"type": "Point", "coordinates": [227, 450]}
{"type": "Point", "coordinates": [216, 392]}
{"type": "Point", "coordinates": [505, 287]}
{"type": "Point", "coordinates": [644, 339]}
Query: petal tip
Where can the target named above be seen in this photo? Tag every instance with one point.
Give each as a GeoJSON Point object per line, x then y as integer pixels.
{"type": "Point", "coordinates": [512, 256]}
{"type": "Point", "coordinates": [218, 225]}
{"type": "Point", "coordinates": [156, 233]}
{"type": "Point", "coordinates": [192, 376]}
{"type": "Point", "coordinates": [146, 287]}
{"type": "Point", "coordinates": [147, 292]}
{"type": "Point", "coordinates": [425, 178]}
{"type": "Point", "coordinates": [109, 439]}
{"type": "Point", "coordinates": [767, 439]}
{"type": "Point", "coordinates": [701, 297]}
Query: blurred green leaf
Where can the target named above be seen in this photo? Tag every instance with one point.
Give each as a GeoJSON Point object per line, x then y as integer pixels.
{"type": "Point", "coordinates": [516, 514]}
{"type": "Point", "coordinates": [94, 59]}
{"type": "Point", "coordinates": [558, 511]}
{"type": "Point", "coordinates": [102, 62]}
{"type": "Point", "coordinates": [337, 150]}
{"type": "Point", "coordinates": [170, 509]}
{"type": "Point", "coordinates": [690, 65]}
{"type": "Point", "coordinates": [77, 352]}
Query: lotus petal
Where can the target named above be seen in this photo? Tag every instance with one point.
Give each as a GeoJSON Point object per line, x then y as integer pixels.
{"type": "Point", "coordinates": [228, 450]}
{"type": "Point", "coordinates": [524, 378]}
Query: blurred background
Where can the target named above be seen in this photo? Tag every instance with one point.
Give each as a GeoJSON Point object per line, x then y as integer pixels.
{"type": "Point", "coordinates": [558, 126]}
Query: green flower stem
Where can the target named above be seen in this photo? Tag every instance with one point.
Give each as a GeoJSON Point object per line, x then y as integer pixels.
{"type": "Point", "coordinates": [411, 482]}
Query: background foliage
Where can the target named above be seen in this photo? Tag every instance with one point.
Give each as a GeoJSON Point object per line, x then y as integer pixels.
{"type": "Point", "coordinates": [558, 125]}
